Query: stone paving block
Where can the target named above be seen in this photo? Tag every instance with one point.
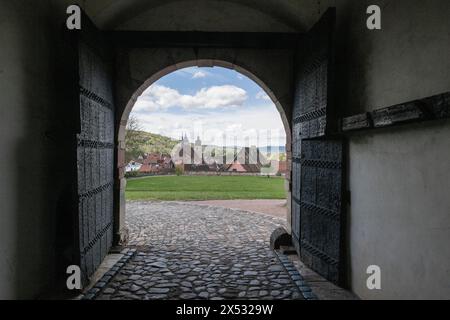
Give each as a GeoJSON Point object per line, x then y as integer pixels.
{"type": "Point", "coordinates": [200, 252]}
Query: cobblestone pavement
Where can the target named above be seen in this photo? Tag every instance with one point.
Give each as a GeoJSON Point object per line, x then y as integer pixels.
{"type": "Point", "coordinates": [186, 251]}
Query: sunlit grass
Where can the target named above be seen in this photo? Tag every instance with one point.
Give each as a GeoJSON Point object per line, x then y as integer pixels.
{"type": "Point", "coordinates": [205, 188]}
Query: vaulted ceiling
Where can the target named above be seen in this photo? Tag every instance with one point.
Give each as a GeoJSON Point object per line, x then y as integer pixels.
{"type": "Point", "coordinates": [207, 15]}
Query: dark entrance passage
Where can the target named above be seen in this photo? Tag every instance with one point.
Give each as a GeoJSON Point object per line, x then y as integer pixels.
{"type": "Point", "coordinates": [317, 161]}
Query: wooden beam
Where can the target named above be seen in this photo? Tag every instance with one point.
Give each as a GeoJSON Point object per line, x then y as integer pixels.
{"type": "Point", "coordinates": [401, 113]}
{"type": "Point", "coordinates": [356, 122]}
{"type": "Point", "coordinates": [195, 39]}
{"type": "Point", "coordinates": [430, 108]}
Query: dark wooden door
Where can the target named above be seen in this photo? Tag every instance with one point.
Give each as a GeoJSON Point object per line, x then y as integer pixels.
{"type": "Point", "coordinates": [95, 148]}
{"type": "Point", "coordinates": [317, 183]}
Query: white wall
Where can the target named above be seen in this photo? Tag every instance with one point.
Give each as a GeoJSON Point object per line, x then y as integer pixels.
{"type": "Point", "coordinates": [406, 60]}
{"type": "Point", "coordinates": [400, 178]}
{"type": "Point", "coordinates": [400, 211]}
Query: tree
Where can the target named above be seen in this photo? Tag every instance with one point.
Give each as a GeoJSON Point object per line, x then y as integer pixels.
{"type": "Point", "coordinates": [179, 170]}
{"type": "Point", "coordinates": [133, 145]}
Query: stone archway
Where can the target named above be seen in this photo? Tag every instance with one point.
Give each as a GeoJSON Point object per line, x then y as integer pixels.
{"type": "Point", "coordinates": [281, 106]}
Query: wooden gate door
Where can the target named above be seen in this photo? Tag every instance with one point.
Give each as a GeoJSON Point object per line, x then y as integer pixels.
{"type": "Point", "coordinates": [95, 148]}
{"type": "Point", "coordinates": [317, 156]}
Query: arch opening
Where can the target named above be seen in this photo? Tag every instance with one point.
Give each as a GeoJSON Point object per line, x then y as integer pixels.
{"type": "Point", "coordinates": [151, 80]}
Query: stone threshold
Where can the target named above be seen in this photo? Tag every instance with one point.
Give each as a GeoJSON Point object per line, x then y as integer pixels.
{"type": "Point", "coordinates": [96, 287]}
{"type": "Point", "coordinates": [320, 287]}
{"type": "Point", "coordinates": [296, 277]}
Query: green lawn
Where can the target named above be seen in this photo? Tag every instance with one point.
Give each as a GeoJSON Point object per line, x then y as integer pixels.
{"type": "Point", "coordinates": [205, 188]}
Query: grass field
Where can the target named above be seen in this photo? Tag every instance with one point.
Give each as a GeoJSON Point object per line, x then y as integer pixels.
{"type": "Point", "coordinates": [205, 188]}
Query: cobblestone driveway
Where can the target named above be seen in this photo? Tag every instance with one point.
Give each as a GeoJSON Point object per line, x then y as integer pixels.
{"type": "Point", "coordinates": [186, 251]}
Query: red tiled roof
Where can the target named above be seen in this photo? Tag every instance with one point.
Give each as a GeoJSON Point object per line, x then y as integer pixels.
{"type": "Point", "coordinates": [282, 166]}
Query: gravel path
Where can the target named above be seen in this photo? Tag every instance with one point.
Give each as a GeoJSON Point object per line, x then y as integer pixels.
{"type": "Point", "coordinates": [273, 207]}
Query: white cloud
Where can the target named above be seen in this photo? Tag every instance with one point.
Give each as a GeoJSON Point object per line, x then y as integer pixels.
{"type": "Point", "coordinates": [261, 95]}
{"type": "Point", "coordinates": [239, 124]}
{"type": "Point", "coordinates": [158, 97]}
{"type": "Point", "coordinates": [192, 71]}
{"type": "Point", "coordinates": [199, 74]}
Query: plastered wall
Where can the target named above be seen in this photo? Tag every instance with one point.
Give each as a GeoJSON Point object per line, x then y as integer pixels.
{"type": "Point", "coordinates": [25, 225]}
{"type": "Point", "coordinates": [36, 130]}
{"type": "Point", "coordinates": [399, 217]}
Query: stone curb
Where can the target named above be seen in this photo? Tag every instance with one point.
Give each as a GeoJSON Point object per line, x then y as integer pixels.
{"type": "Point", "coordinates": [296, 277]}
{"type": "Point", "coordinates": [92, 293]}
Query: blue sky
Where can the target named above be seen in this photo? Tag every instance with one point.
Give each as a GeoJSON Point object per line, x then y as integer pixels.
{"type": "Point", "coordinates": [210, 102]}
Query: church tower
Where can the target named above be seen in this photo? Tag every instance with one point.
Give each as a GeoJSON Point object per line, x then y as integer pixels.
{"type": "Point", "coordinates": [198, 142]}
